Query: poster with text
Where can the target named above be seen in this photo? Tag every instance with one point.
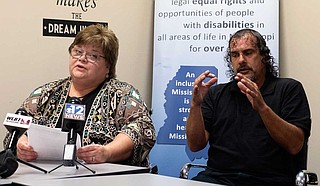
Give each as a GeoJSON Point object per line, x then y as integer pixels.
{"type": "Point", "coordinates": [191, 36]}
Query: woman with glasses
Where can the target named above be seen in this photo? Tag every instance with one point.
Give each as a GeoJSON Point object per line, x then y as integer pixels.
{"type": "Point", "coordinates": [118, 127]}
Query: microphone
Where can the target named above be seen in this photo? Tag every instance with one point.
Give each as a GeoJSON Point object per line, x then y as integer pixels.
{"type": "Point", "coordinates": [73, 122]}
{"type": "Point", "coordinates": [16, 124]}
{"type": "Point", "coordinates": [8, 163]}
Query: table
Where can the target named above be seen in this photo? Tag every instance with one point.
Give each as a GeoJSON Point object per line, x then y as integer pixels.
{"type": "Point", "coordinates": [25, 174]}
{"type": "Point", "coordinates": [143, 179]}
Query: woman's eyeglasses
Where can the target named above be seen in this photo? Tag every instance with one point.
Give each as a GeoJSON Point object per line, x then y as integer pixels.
{"type": "Point", "coordinates": [90, 56]}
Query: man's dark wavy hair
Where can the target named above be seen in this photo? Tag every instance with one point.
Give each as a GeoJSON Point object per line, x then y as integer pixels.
{"type": "Point", "coordinates": [268, 59]}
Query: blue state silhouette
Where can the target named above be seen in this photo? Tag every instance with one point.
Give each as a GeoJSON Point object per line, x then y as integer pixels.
{"type": "Point", "coordinates": [178, 96]}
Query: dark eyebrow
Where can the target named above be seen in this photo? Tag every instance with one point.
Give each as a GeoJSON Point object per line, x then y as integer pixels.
{"type": "Point", "coordinates": [245, 50]}
{"type": "Point", "coordinates": [248, 50]}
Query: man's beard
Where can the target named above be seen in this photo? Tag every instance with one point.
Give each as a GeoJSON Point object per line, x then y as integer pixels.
{"type": "Point", "coordinates": [253, 77]}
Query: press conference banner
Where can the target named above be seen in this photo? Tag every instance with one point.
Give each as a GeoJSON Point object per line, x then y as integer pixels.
{"type": "Point", "coordinates": [191, 36]}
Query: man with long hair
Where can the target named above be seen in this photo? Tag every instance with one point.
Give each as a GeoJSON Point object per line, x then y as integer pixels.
{"type": "Point", "coordinates": [256, 124]}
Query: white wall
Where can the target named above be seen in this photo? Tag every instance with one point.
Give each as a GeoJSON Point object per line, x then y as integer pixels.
{"type": "Point", "coordinates": [299, 54]}
{"type": "Point", "coordinates": [28, 59]}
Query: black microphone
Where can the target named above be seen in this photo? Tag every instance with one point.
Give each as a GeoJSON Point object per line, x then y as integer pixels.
{"type": "Point", "coordinates": [16, 124]}
{"type": "Point", "coordinates": [8, 163]}
{"type": "Point", "coordinates": [73, 122]}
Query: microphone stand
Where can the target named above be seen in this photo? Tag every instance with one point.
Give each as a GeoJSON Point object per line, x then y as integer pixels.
{"type": "Point", "coordinates": [69, 153]}
{"type": "Point", "coordinates": [31, 165]}
{"type": "Point", "coordinates": [12, 148]}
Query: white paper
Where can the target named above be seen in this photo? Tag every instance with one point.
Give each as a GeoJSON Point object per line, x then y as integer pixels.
{"type": "Point", "coordinates": [48, 142]}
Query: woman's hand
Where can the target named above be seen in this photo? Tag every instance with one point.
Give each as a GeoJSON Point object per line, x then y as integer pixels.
{"type": "Point", "coordinates": [120, 149]}
{"type": "Point", "coordinates": [25, 150]}
{"type": "Point", "coordinates": [93, 153]}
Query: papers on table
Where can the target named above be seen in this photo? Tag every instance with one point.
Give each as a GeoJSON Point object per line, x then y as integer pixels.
{"type": "Point", "coordinates": [48, 142]}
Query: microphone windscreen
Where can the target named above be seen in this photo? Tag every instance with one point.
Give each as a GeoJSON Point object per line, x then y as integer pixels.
{"type": "Point", "coordinates": [73, 115]}
{"type": "Point", "coordinates": [74, 100]}
{"type": "Point", "coordinates": [22, 111]}
{"type": "Point", "coordinates": [8, 163]}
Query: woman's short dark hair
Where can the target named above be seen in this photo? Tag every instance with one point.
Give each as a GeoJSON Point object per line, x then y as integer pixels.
{"type": "Point", "coordinates": [103, 37]}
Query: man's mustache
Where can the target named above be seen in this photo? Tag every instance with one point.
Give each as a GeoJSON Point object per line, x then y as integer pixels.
{"type": "Point", "coordinates": [243, 67]}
